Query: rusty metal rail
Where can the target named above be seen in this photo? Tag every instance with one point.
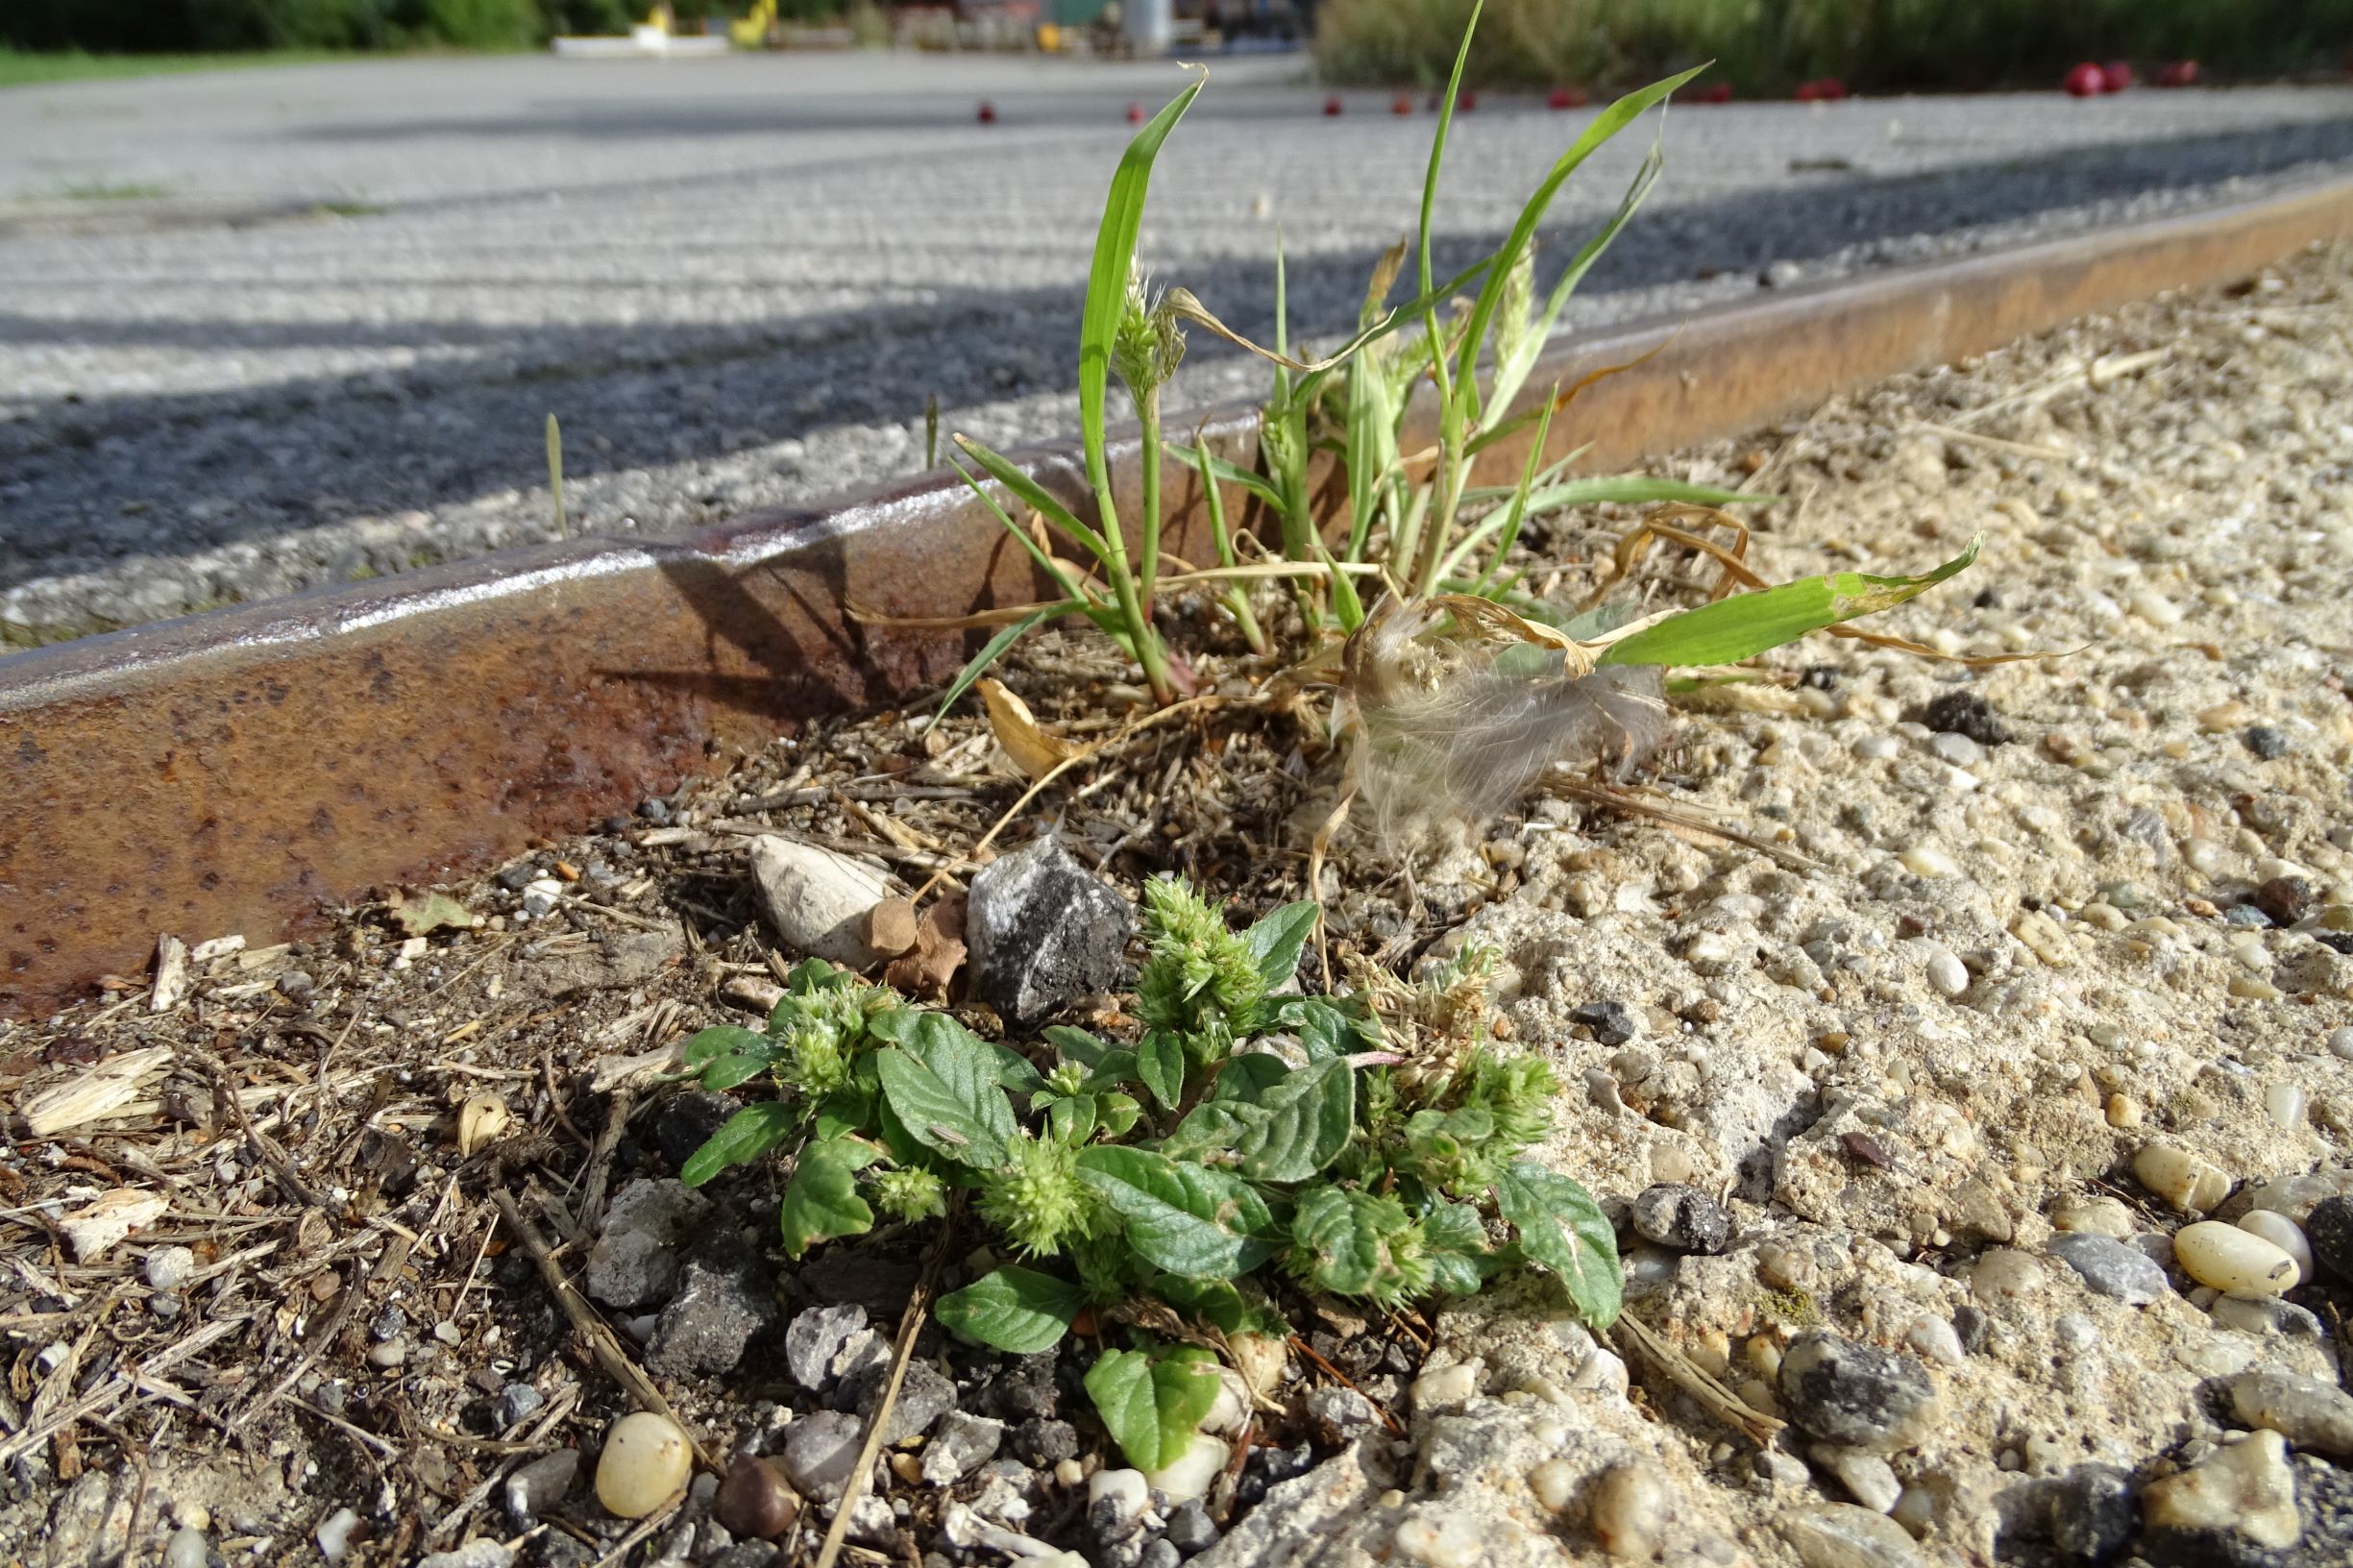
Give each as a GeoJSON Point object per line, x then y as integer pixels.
{"type": "Point", "coordinates": [241, 770]}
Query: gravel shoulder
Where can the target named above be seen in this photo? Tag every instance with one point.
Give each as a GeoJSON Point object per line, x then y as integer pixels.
{"type": "Point", "coordinates": [1957, 1113]}
{"type": "Point", "coordinates": [326, 349]}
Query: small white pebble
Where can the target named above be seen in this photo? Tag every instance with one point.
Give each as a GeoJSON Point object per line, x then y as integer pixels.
{"type": "Point", "coordinates": [2231, 1260]}
{"type": "Point", "coordinates": [1445, 1385]}
{"type": "Point", "coordinates": [2284, 1103]}
{"type": "Point", "coordinates": [646, 1462]}
{"type": "Point", "coordinates": [1928, 860]}
{"type": "Point", "coordinates": [170, 1268]}
{"type": "Point", "coordinates": [1455, 1542]}
{"type": "Point", "coordinates": [2341, 1043]}
{"type": "Point", "coordinates": [187, 1548]}
{"type": "Point", "coordinates": [335, 1534]}
{"type": "Point", "coordinates": [1630, 1510]}
{"type": "Point", "coordinates": [1876, 748]}
{"type": "Point", "coordinates": [1936, 1340]}
{"type": "Point", "coordinates": [1555, 1483]}
{"type": "Point", "coordinates": [2282, 1233]}
{"type": "Point", "coordinates": [1948, 975]}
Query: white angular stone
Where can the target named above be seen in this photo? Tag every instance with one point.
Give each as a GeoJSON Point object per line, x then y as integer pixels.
{"type": "Point", "coordinates": [815, 901]}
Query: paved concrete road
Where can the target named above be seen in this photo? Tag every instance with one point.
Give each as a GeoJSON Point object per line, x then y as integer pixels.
{"type": "Point", "coordinates": [322, 340]}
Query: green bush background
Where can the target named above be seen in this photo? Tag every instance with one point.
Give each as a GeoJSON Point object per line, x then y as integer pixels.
{"type": "Point", "coordinates": [1768, 47]}
{"type": "Point", "coordinates": [156, 26]}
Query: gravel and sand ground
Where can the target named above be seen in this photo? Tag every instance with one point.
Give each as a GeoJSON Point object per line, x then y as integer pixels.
{"type": "Point", "coordinates": [264, 331]}
{"type": "Point", "coordinates": [1976, 1097]}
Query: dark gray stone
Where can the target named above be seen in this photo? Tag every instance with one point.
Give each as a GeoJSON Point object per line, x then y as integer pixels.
{"type": "Point", "coordinates": [1191, 1529]}
{"type": "Point", "coordinates": [2111, 1268]}
{"type": "Point", "coordinates": [924, 1396]}
{"type": "Point", "coordinates": [2093, 1512]}
{"type": "Point", "coordinates": [815, 1338]}
{"type": "Point", "coordinates": [1973, 1325]}
{"type": "Point", "coordinates": [1161, 1554]}
{"type": "Point", "coordinates": [1338, 1414]}
{"type": "Point", "coordinates": [963, 1443]}
{"type": "Point", "coordinates": [1043, 931]}
{"type": "Point", "coordinates": [2267, 741]}
{"type": "Point", "coordinates": [1966, 713]}
{"type": "Point", "coordinates": [634, 1264]}
{"type": "Point", "coordinates": [724, 1301]}
{"type": "Point", "coordinates": [1683, 1217]}
{"type": "Point", "coordinates": [518, 1402]}
{"type": "Point", "coordinates": [821, 1450]}
{"type": "Point", "coordinates": [2329, 1227]}
{"type": "Point", "coordinates": [1853, 1395]}
{"type": "Point", "coordinates": [1020, 1387]}
{"type": "Point", "coordinates": [684, 1122]}
{"type": "Point", "coordinates": [1611, 1022]}
{"type": "Point", "coordinates": [1045, 1443]}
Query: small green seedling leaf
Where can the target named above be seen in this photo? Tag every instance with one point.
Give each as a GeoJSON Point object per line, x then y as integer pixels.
{"type": "Point", "coordinates": [1305, 1121]}
{"type": "Point", "coordinates": [1455, 1240]}
{"type": "Point", "coordinates": [1160, 1064]}
{"type": "Point", "coordinates": [1180, 1216]}
{"type": "Point", "coordinates": [1274, 942]}
{"type": "Point", "coordinates": [1326, 1025]}
{"type": "Point", "coordinates": [1117, 1112]}
{"type": "Point", "coordinates": [1347, 1240]}
{"type": "Point", "coordinates": [822, 1201]}
{"type": "Point", "coordinates": [1076, 1044]}
{"type": "Point", "coordinates": [1247, 1075]}
{"type": "Point", "coordinates": [1018, 1310]}
{"type": "Point", "coordinates": [1561, 1227]}
{"type": "Point", "coordinates": [1747, 625]}
{"type": "Point", "coordinates": [723, 1039]}
{"type": "Point", "coordinates": [1215, 1302]}
{"type": "Point", "coordinates": [944, 1083]}
{"type": "Point", "coordinates": [744, 1138]}
{"type": "Point", "coordinates": [1151, 1406]}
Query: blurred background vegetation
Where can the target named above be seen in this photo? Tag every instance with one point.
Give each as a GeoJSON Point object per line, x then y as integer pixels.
{"type": "Point", "coordinates": [1766, 47]}
{"type": "Point", "coordinates": [198, 26]}
{"type": "Point", "coordinates": [1763, 47]}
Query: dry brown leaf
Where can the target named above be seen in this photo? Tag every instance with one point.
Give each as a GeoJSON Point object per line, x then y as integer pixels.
{"type": "Point", "coordinates": [101, 1091]}
{"type": "Point", "coordinates": [1034, 752]}
{"type": "Point", "coordinates": [930, 965]}
{"type": "Point", "coordinates": [892, 926]}
{"type": "Point", "coordinates": [481, 1122]}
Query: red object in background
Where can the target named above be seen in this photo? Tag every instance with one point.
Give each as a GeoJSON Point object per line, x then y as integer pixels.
{"type": "Point", "coordinates": [1402, 104]}
{"type": "Point", "coordinates": [1567, 98]}
{"type": "Point", "coordinates": [2085, 81]}
{"type": "Point", "coordinates": [2114, 77]}
{"type": "Point", "coordinates": [2181, 73]}
{"type": "Point", "coordinates": [988, 113]}
{"type": "Point", "coordinates": [1135, 113]}
{"type": "Point", "coordinates": [1715, 92]}
{"type": "Point", "coordinates": [1467, 102]}
{"type": "Point", "coordinates": [1332, 105]}
{"type": "Point", "coordinates": [1829, 90]}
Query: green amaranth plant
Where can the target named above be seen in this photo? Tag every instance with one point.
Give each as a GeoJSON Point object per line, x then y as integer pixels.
{"type": "Point", "coordinates": [1244, 1129]}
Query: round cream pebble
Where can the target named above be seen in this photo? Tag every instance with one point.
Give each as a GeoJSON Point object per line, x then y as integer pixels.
{"type": "Point", "coordinates": [2238, 1262]}
{"type": "Point", "coordinates": [644, 1465]}
{"type": "Point", "coordinates": [1630, 1510]}
{"type": "Point", "coordinates": [2284, 1234]}
{"type": "Point", "coordinates": [2181, 1178]}
{"type": "Point", "coordinates": [1555, 1483]}
{"type": "Point", "coordinates": [1926, 860]}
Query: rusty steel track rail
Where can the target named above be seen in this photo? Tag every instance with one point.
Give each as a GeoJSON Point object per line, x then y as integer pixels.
{"type": "Point", "coordinates": [241, 770]}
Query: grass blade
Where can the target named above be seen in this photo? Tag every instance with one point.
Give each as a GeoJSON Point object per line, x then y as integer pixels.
{"type": "Point", "coordinates": [1228, 472]}
{"type": "Point", "coordinates": [994, 649]}
{"type": "Point", "coordinates": [1747, 625]}
{"type": "Point", "coordinates": [1107, 278]}
{"type": "Point", "coordinates": [1035, 496]}
{"type": "Point", "coordinates": [1634, 490]}
{"type": "Point", "coordinates": [1606, 125]}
